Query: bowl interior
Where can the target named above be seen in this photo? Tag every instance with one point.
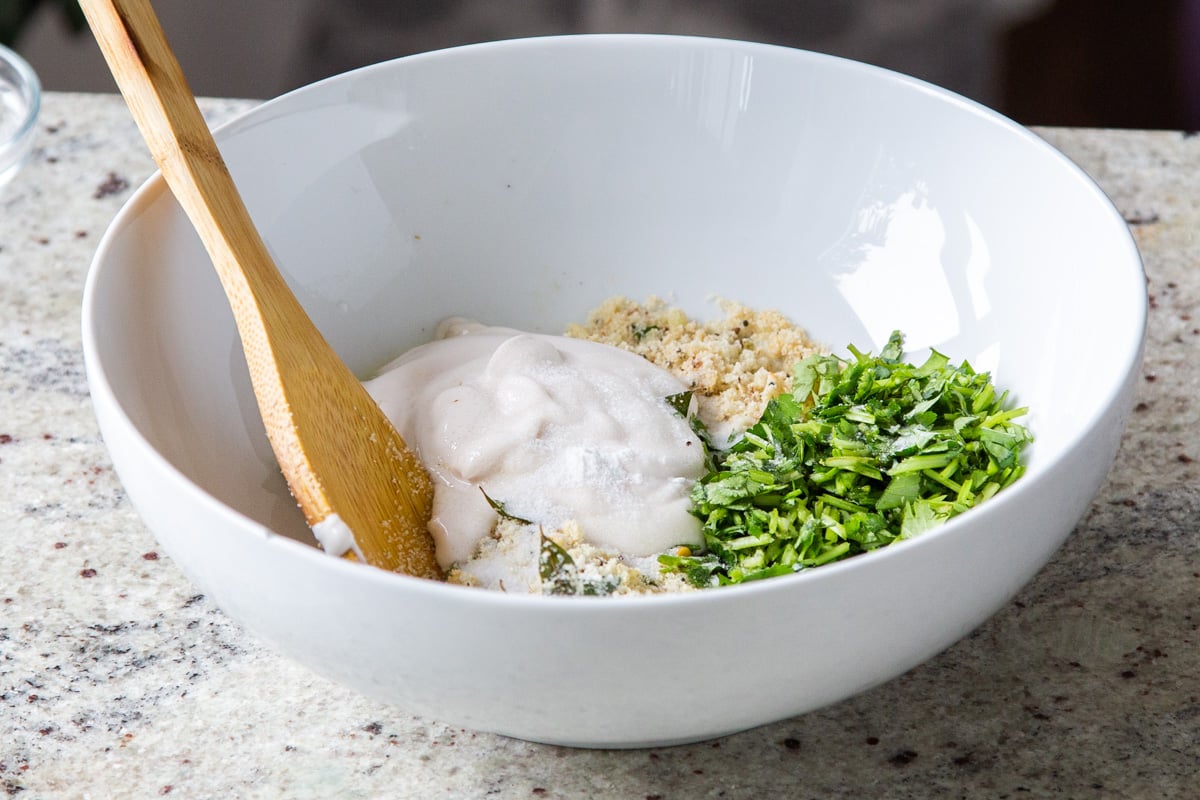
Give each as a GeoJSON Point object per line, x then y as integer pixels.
{"type": "Point", "coordinates": [522, 183]}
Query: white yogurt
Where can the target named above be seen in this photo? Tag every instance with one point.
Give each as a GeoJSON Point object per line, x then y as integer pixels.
{"type": "Point", "coordinates": [556, 429]}
{"type": "Point", "coordinates": [336, 538]}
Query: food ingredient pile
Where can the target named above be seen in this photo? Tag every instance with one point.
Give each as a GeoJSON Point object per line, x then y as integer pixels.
{"type": "Point", "coordinates": [736, 450]}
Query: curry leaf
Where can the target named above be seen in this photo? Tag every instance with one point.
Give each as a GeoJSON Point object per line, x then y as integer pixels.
{"type": "Point", "coordinates": [502, 511]}
{"type": "Point", "coordinates": [681, 402]}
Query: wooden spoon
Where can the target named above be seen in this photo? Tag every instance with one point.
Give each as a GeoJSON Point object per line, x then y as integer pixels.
{"type": "Point", "coordinates": [340, 454]}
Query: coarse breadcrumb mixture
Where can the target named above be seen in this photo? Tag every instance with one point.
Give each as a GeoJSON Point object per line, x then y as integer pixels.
{"type": "Point", "coordinates": [733, 365]}
{"type": "Point", "coordinates": [513, 549]}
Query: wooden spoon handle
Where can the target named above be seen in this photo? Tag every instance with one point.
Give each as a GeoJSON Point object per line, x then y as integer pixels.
{"type": "Point", "coordinates": [339, 453]}
{"type": "Point", "coordinates": [162, 104]}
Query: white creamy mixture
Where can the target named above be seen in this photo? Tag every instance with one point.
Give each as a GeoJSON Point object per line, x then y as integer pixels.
{"type": "Point", "coordinates": [336, 537]}
{"type": "Point", "coordinates": [558, 430]}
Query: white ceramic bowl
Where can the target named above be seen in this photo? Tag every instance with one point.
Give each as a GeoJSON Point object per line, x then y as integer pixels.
{"type": "Point", "coordinates": [524, 182]}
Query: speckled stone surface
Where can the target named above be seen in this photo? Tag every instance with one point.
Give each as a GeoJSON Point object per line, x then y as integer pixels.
{"type": "Point", "coordinates": [117, 679]}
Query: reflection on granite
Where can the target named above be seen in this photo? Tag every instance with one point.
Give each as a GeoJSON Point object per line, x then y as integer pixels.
{"type": "Point", "coordinates": [118, 680]}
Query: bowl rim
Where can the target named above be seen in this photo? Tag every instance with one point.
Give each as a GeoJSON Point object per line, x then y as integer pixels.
{"type": "Point", "coordinates": [152, 189]}
{"type": "Point", "coordinates": [32, 88]}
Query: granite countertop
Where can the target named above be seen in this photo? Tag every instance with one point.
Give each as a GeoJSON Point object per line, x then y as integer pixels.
{"type": "Point", "coordinates": [118, 679]}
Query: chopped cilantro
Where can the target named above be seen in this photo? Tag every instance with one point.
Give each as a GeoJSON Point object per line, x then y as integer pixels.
{"type": "Point", "coordinates": [640, 331]}
{"type": "Point", "coordinates": [863, 452]}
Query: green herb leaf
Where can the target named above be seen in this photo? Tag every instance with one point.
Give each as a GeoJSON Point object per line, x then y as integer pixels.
{"type": "Point", "coordinates": [681, 402]}
{"type": "Point", "coordinates": [863, 452]}
{"type": "Point", "coordinates": [556, 567]}
{"type": "Point", "coordinates": [640, 331]}
{"type": "Point", "coordinates": [701, 571]}
{"type": "Point", "coordinates": [502, 511]}
{"type": "Point", "coordinates": [560, 574]}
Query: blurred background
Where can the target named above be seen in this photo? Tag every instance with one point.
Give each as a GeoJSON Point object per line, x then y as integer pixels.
{"type": "Point", "coordinates": [1105, 63]}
